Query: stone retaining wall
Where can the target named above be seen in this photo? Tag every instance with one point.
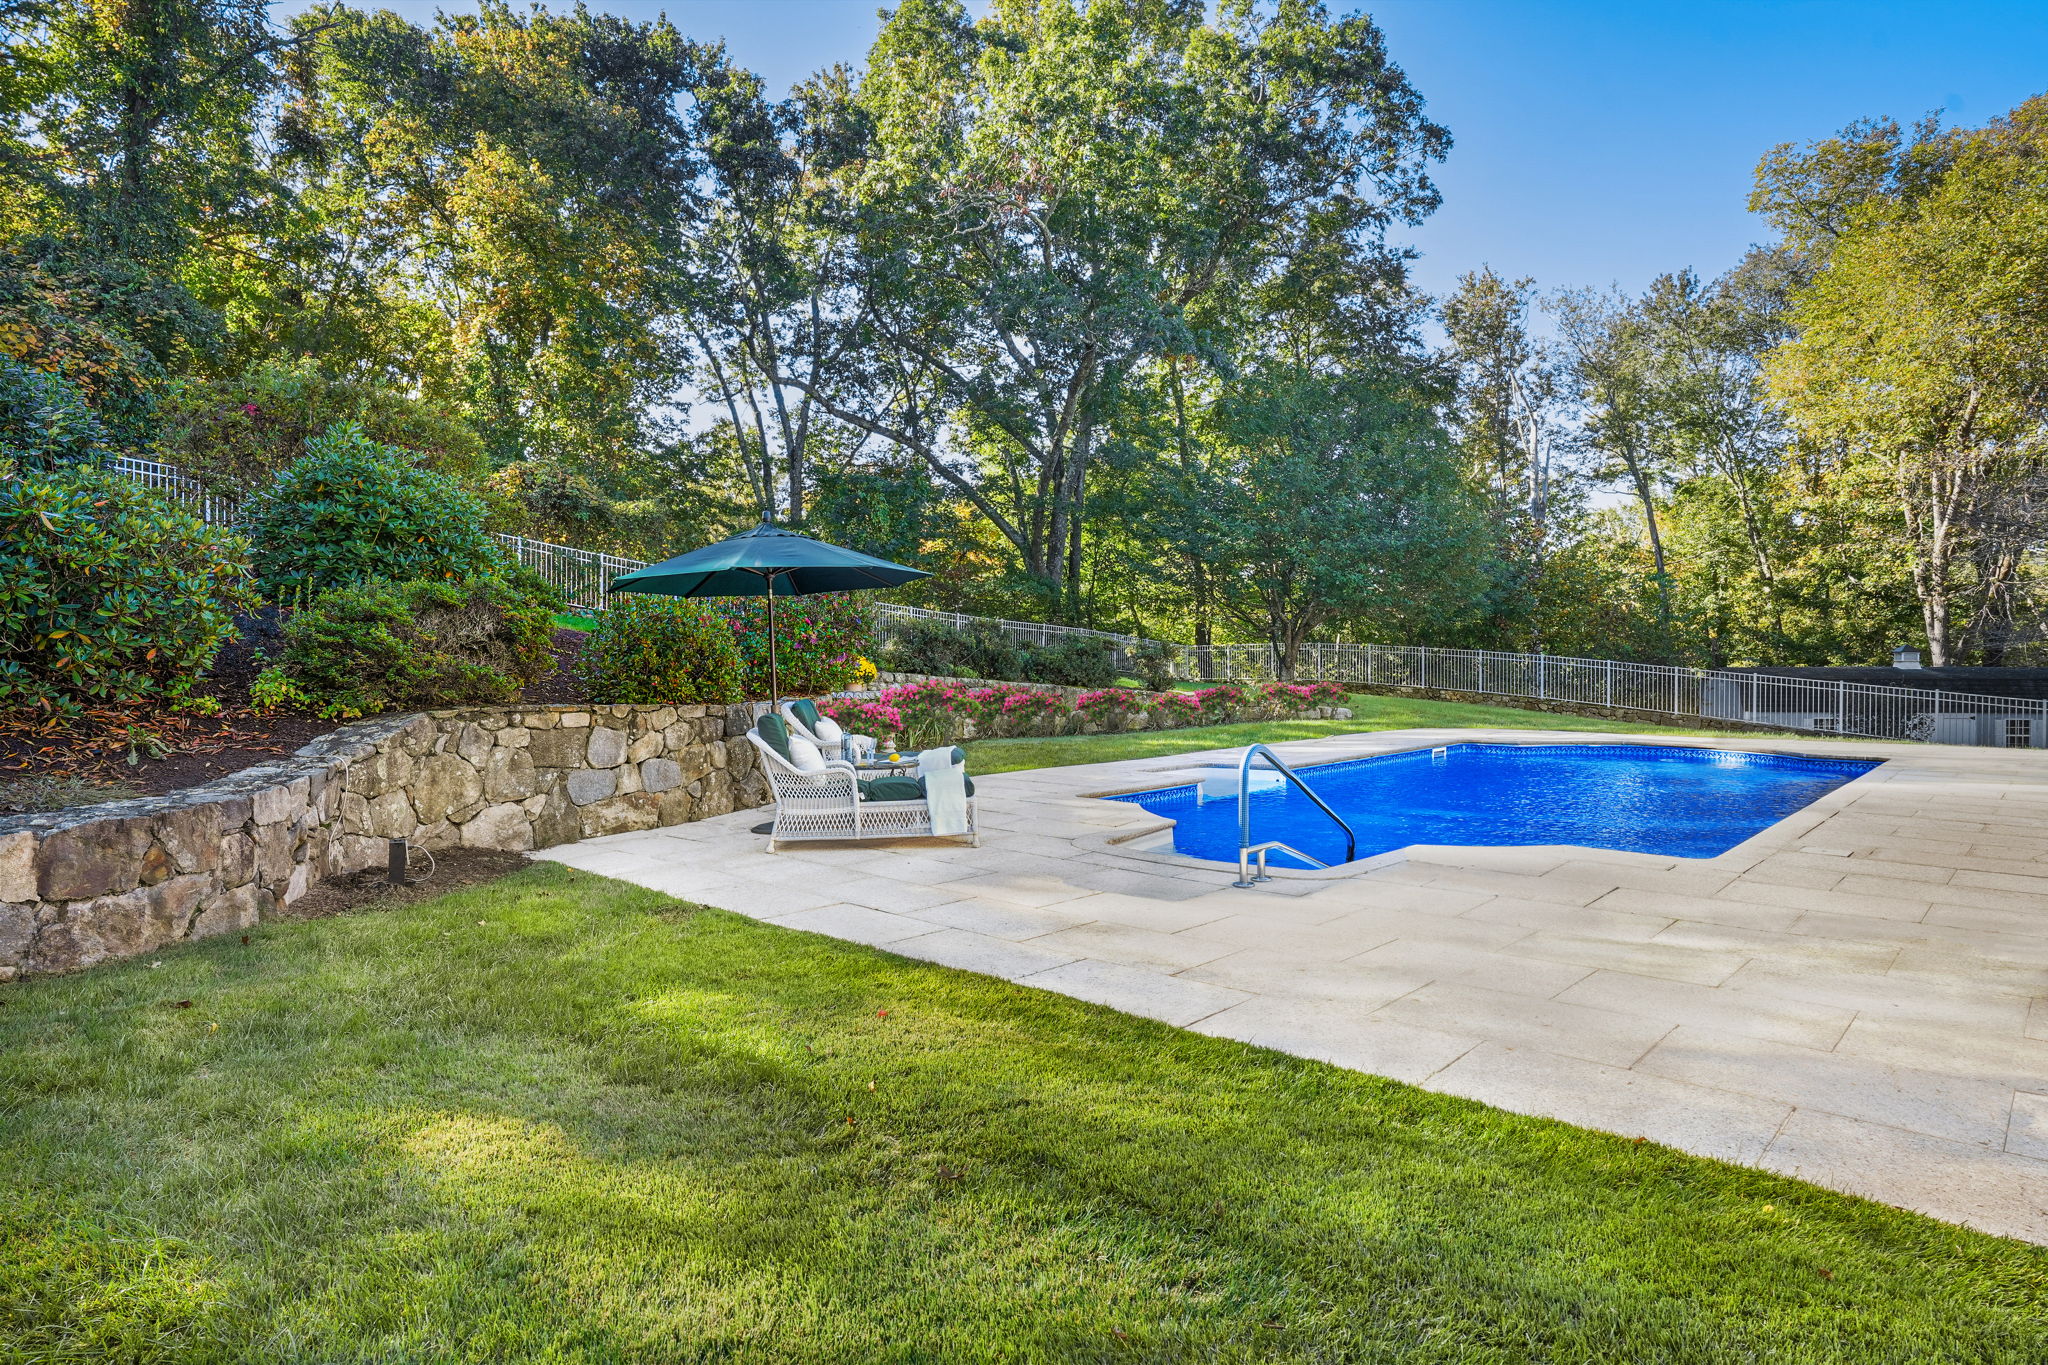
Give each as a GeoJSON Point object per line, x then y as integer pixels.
{"type": "Point", "coordinates": [90, 884]}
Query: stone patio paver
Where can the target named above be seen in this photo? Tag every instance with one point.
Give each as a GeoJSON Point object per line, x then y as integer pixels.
{"type": "Point", "coordinates": [1858, 996]}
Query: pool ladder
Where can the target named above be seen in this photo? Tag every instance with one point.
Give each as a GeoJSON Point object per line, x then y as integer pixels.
{"type": "Point", "coordinates": [1246, 849]}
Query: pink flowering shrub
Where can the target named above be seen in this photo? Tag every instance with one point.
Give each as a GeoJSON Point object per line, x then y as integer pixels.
{"type": "Point", "coordinates": [1110, 707]}
{"type": "Point", "coordinates": [942, 711]}
{"type": "Point", "coordinates": [819, 641]}
{"type": "Point", "coordinates": [933, 713]}
{"type": "Point", "coordinates": [1328, 694]}
{"type": "Point", "coordinates": [1026, 711]}
{"type": "Point", "coordinates": [1222, 702]}
{"type": "Point", "coordinates": [878, 719]}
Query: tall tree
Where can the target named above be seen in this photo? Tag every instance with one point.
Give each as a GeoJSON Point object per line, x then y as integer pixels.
{"type": "Point", "coordinates": [1505, 409]}
{"type": "Point", "coordinates": [768, 262]}
{"type": "Point", "coordinates": [127, 122]}
{"type": "Point", "coordinates": [1611, 368]}
{"type": "Point", "coordinates": [1921, 347]}
{"type": "Point", "coordinates": [1320, 502]}
{"type": "Point", "coordinates": [513, 191]}
{"type": "Point", "coordinates": [1051, 192]}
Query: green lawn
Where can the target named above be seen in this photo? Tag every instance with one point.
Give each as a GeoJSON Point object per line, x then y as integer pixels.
{"type": "Point", "coordinates": [559, 1118]}
{"type": "Point", "coordinates": [571, 622]}
{"type": "Point", "coordinates": [1367, 713]}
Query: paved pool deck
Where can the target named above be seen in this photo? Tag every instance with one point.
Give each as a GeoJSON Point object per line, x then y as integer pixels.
{"type": "Point", "coordinates": [1858, 996]}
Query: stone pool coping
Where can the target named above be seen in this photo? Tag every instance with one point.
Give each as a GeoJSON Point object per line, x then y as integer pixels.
{"type": "Point", "coordinates": [1152, 842]}
{"type": "Point", "coordinates": [1857, 996]}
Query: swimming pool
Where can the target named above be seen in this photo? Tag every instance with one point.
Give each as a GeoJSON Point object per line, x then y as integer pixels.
{"type": "Point", "coordinates": [1641, 798]}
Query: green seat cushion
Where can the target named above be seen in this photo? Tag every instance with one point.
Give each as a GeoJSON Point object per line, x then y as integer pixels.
{"type": "Point", "coordinates": [891, 789]}
{"type": "Point", "coordinates": [772, 729]}
{"type": "Point", "coordinates": [807, 712]}
{"type": "Point", "coordinates": [898, 789]}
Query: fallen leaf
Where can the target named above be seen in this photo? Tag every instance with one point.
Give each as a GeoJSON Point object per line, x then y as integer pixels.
{"type": "Point", "coordinates": [1827, 1274]}
{"type": "Point", "coordinates": [871, 1085]}
{"type": "Point", "coordinates": [181, 1004]}
{"type": "Point", "coordinates": [881, 1014]}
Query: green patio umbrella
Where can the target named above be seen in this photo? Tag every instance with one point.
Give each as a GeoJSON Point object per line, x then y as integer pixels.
{"type": "Point", "coordinates": [766, 562]}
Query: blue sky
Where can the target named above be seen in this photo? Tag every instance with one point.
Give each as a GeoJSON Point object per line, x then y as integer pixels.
{"type": "Point", "coordinates": [1598, 142]}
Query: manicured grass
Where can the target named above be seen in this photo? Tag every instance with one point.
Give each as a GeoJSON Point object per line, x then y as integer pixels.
{"type": "Point", "coordinates": [559, 1118]}
{"type": "Point", "coordinates": [568, 622]}
{"type": "Point", "coordinates": [1367, 713]}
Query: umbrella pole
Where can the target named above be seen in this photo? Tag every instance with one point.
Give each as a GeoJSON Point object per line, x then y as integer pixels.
{"type": "Point", "coordinates": [774, 679]}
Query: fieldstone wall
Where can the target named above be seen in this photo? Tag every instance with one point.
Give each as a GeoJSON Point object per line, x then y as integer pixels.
{"type": "Point", "coordinates": [83, 886]}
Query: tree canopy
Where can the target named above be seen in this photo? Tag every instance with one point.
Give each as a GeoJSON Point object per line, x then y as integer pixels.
{"type": "Point", "coordinates": [1098, 309]}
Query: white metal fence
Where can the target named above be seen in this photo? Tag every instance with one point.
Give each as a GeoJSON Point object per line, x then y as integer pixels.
{"type": "Point", "coordinates": [166, 478]}
{"type": "Point", "coordinates": [584, 578]}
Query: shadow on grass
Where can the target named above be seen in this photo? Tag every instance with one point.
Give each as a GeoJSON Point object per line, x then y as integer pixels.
{"type": "Point", "coordinates": [563, 1118]}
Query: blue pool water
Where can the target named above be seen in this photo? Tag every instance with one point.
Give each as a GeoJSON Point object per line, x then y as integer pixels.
{"type": "Point", "coordinates": [1689, 803]}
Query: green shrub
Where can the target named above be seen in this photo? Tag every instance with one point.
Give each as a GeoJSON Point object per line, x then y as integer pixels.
{"type": "Point", "coordinates": [354, 509]}
{"type": "Point", "coordinates": [45, 420]}
{"type": "Point", "coordinates": [819, 641]}
{"type": "Point", "coordinates": [1153, 663]}
{"type": "Point", "coordinates": [108, 592]}
{"type": "Point", "coordinates": [662, 650]}
{"type": "Point", "coordinates": [395, 646]}
{"type": "Point", "coordinates": [238, 432]}
{"type": "Point", "coordinates": [978, 649]}
{"type": "Point", "coordinates": [1077, 661]}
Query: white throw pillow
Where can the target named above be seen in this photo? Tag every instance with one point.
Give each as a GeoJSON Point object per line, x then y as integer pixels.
{"type": "Point", "coordinates": [829, 732]}
{"type": "Point", "coordinates": [804, 755]}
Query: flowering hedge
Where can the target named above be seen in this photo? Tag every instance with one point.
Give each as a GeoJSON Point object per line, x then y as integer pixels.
{"type": "Point", "coordinates": [1223, 702]}
{"type": "Point", "coordinates": [938, 711]}
{"type": "Point", "coordinates": [1111, 707]}
{"type": "Point", "coordinates": [879, 719]}
{"type": "Point", "coordinates": [818, 641]}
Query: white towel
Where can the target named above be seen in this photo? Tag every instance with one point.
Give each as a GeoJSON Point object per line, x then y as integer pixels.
{"type": "Point", "coordinates": [944, 774]}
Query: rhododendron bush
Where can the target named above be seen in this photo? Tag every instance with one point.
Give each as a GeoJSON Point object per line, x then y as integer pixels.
{"type": "Point", "coordinates": [941, 711]}
{"type": "Point", "coordinates": [819, 641]}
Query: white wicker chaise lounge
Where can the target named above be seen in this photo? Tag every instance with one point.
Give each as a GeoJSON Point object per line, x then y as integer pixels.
{"type": "Point", "coordinates": [832, 800]}
{"type": "Point", "coordinates": [802, 717]}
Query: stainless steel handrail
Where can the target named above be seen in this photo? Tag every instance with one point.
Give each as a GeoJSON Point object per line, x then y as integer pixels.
{"type": "Point", "coordinates": [1244, 816]}
{"type": "Point", "coordinates": [1244, 861]}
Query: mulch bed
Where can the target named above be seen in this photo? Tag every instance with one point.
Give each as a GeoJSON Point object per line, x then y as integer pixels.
{"type": "Point", "coordinates": [139, 750]}
{"type": "Point", "coordinates": [431, 875]}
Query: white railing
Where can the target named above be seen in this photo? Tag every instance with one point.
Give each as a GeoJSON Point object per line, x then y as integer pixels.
{"type": "Point", "coordinates": [584, 579]}
{"type": "Point", "coordinates": [211, 507]}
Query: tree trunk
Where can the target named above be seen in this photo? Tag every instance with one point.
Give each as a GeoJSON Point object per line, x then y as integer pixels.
{"type": "Point", "coordinates": [1658, 574]}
